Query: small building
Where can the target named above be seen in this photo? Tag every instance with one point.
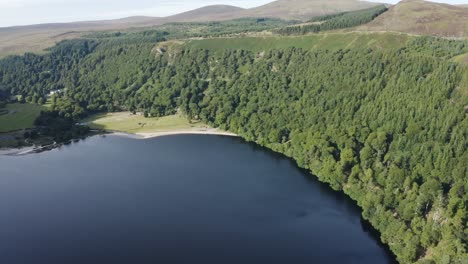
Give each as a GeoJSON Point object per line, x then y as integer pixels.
{"type": "Point", "coordinates": [54, 92]}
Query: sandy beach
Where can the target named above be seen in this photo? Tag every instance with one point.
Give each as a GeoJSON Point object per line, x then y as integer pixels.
{"type": "Point", "coordinates": [146, 135]}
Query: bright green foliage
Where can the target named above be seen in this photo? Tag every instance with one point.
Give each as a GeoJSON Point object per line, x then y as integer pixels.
{"type": "Point", "coordinates": [385, 125]}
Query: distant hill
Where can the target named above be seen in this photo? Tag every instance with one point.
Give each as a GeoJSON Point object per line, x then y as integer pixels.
{"type": "Point", "coordinates": [284, 9]}
{"type": "Point", "coordinates": [423, 18]}
{"type": "Point", "coordinates": [207, 13]}
{"type": "Point", "coordinates": [306, 9]}
{"type": "Point", "coordinates": [36, 38]}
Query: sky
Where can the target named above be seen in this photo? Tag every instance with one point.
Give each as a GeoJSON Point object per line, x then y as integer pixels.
{"type": "Point", "coordinates": [27, 12]}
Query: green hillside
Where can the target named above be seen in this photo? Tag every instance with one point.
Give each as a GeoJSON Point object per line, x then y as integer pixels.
{"type": "Point", "coordinates": [330, 41]}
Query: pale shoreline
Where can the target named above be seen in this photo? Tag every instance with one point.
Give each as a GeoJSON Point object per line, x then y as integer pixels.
{"type": "Point", "coordinates": [148, 135]}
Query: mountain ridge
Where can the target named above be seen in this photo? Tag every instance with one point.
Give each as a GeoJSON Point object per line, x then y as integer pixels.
{"type": "Point", "coordinates": [284, 9]}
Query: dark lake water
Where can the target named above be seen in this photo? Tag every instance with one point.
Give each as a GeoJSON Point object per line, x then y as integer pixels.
{"type": "Point", "coordinates": [177, 199]}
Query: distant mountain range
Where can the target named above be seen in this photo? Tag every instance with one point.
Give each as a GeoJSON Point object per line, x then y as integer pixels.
{"type": "Point", "coordinates": [284, 9]}
{"type": "Point", "coordinates": [304, 9]}
{"type": "Point", "coordinates": [423, 18]}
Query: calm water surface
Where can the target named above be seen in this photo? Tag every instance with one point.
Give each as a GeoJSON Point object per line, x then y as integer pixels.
{"type": "Point", "coordinates": [177, 199]}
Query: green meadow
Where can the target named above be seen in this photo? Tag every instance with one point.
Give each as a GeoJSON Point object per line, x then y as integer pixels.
{"type": "Point", "coordinates": [18, 116]}
{"type": "Point", "coordinates": [130, 123]}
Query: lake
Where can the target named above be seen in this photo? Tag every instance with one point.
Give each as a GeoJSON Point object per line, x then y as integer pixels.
{"type": "Point", "coordinates": [175, 199]}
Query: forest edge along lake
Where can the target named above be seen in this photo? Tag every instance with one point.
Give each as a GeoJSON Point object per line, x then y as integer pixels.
{"type": "Point", "coordinates": [175, 199]}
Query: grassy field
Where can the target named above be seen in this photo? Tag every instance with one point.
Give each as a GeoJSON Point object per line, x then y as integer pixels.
{"type": "Point", "coordinates": [129, 123]}
{"type": "Point", "coordinates": [18, 116]}
{"type": "Point", "coordinates": [330, 41]}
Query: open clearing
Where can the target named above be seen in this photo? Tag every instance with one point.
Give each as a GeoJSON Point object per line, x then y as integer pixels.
{"type": "Point", "coordinates": [149, 127]}
{"type": "Point", "coordinates": [18, 116]}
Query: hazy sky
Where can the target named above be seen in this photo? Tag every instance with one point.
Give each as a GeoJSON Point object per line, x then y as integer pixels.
{"type": "Point", "coordinates": [25, 12]}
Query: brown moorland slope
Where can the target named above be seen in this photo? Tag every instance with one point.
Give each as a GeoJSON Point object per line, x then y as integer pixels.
{"type": "Point", "coordinates": [423, 18]}
{"type": "Point", "coordinates": [36, 38]}
{"type": "Point", "coordinates": [207, 13]}
{"type": "Point", "coordinates": [284, 9]}
{"type": "Point", "coordinates": [306, 9]}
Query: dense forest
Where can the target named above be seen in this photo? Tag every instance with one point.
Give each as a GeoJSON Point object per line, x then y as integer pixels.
{"type": "Point", "coordinates": [387, 127]}
{"type": "Point", "coordinates": [334, 21]}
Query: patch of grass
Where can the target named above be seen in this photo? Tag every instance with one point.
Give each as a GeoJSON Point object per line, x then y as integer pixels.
{"type": "Point", "coordinates": [130, 123]}
{"type": "Point", "coordinates": [330, 41]}
{"type": "Point", "coordinates": [19, 116]}
{"type": "Point", "coordinates": [463, 59]}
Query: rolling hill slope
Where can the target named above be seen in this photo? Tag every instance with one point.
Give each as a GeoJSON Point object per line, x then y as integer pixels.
{"type": "Point", "coordinates": [284, 9]}
{"type": "Point", "coordinates": [306, 9]}
{"type": "Point", "coordinates": [207, 13]}
{"type": "Point", "coordinates": [36, 38]}
{"type": "Point", "coordinates": [423, 18]}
